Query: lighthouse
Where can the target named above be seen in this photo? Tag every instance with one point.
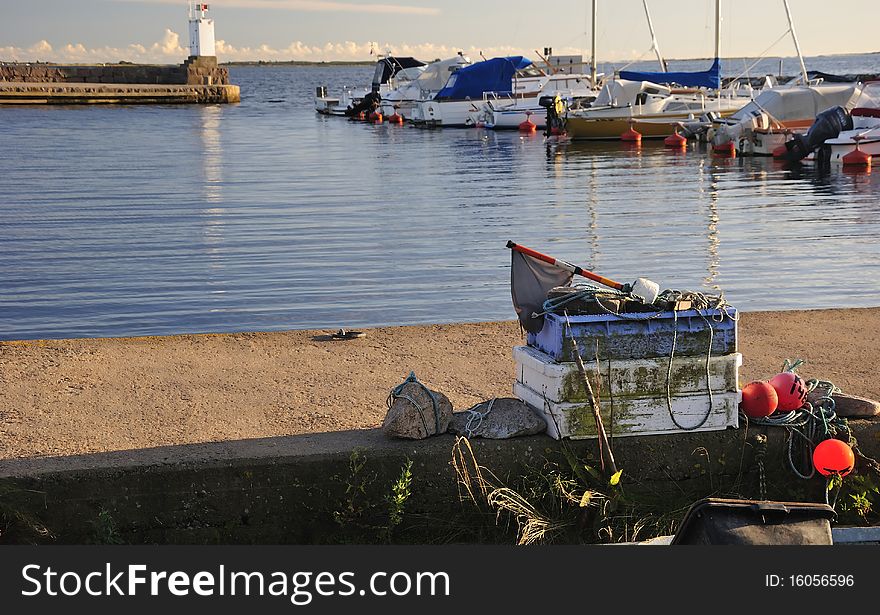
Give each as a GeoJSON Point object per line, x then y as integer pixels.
{"type": "Point", "coordinates": [201, 31]}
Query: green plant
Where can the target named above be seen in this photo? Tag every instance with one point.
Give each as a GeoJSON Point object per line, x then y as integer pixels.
{"type": "Point", "coordinates": [401, 490]}
{"type": "Point", "coordinates": [364, 514]}
{"type": "Point", "coordinates": [859, 499]}
{"type": "Point", "coordinates": [105, 530]}
{"type": "Point", "coordinates": [566, 500]}
{"type": "Point", "coordinates": [354, 502]}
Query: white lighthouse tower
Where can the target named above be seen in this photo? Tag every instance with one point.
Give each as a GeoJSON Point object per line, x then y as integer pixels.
{"type": "Point", "coordinates": [201, 31]}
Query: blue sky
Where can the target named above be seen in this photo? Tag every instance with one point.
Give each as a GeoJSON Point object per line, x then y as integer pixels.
{"type": "Point", "coordinates": [155, 30]}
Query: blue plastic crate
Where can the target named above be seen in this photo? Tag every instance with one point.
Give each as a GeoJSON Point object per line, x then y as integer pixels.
{"type": "Point", "coordinates": [633, 336]}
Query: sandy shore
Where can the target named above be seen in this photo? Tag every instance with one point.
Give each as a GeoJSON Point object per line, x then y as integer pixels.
{"type": "Point", "coordinates": [96, 395]}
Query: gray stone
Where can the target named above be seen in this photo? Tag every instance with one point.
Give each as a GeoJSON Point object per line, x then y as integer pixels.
{"type": "Point", "coordinates": [412, 416]}
{"type": "Point", "coordinates": [850, 406]}
{"type": "Point", "coordinates": [506, 418]}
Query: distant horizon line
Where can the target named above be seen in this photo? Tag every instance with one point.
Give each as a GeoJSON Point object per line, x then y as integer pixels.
{"type": "Point", "coordinates": [373, 61]}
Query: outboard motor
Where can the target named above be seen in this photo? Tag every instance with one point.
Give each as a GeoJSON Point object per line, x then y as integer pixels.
{"type": "Point", "coordinates": [367, 105]}
{"type": "Point", "coordinates": [827, 125]}
{"type": "Point", "coordinates": [555, 120]}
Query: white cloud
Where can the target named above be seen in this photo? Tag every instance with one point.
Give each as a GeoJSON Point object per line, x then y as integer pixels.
{"type": "Point", "coordinates": [313, 6]}
{"type": "Point", "coordinates": [169, 49]}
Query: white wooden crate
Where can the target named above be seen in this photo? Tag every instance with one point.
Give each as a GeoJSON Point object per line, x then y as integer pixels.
{"type": "Point", "coordinates": [635, 415]}
{"type": "Point", "coordinates": [562, 382]}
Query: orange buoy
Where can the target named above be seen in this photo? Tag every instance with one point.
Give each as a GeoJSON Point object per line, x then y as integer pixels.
{"type": "Point", "coordinates": [528, 125]}
{"type": "Point", "coordinates": [724, 149]}
{"type": "Point", "coordinates": [376, 117]}
{"type": "Point", "coordinates": [759, 399]}
{"type": "Point", "coordinates": [675, 140]}
{"type": "Point", "coordinates": [780, 152]}
{"type": "Point", "coordinates": [790, 389]}
{"type": "Point", "coordinates": [631, 135]}
{"type": "Point", "coordinates": [396, 119]}
{"type": "Point", "coordinates": [361, 116]}
{"type": "Point", "coordinates": [857, 158]}
{"type": "Point", "coordinates": [833, 456]}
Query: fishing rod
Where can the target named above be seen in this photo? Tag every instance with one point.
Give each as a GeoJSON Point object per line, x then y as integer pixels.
{"type": "Point", "coordinates": [642, 289]}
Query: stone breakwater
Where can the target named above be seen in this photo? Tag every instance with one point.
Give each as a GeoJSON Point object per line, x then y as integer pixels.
{"type": "Point", "coordinates": [195, 71]}
{"type": "Point", "coordinates": [100, 93]}
{"type": "Point", "coordinates": [198, 80]}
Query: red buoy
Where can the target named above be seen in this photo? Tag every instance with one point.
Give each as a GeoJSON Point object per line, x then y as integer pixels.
{"type": "Point", "coordinates": [631, 135]}
{"type": "Point", "coordinates": [395, 119]}
{"type": "Point", "coordinates": [790, 389]}
{"type": "Point", "coordinates": [780, 152]}
{"type": "Point", "coordinates": [833, 456]}
{"type": "Point", "coordinates": [528, 125]}
{"type": "Point", "coordinates": [857, 158]}
{"type": "Point", "coordinates": [725, 149]}
{"type": "Point", "coordinates": [675, 140]}
{"type": "Point", "coordinates": [376, 117]}
{"type": "Point", "coordinates": [759, 399]}
{"type": "Point", "coordinates": [361, 116]}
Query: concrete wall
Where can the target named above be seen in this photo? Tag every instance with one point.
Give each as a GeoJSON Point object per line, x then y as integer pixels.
{"type": "Point", "coordinates": [195, 71]}
{"type": "Point", "coordinates": [332, 488]}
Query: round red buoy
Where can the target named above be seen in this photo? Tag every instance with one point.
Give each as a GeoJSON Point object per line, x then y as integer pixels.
{"type": "Point", "coordinates": [528, 126]}
{"type": "Point", "coordinates": [780, 152]}
{"type": "Point", "coordinates": [631, 135]}
{"type": "Point", "coordinates": [361, 116]}
{"type": "Point", "coordinates": [833, 456]}
{"type": "Point", "coordinates": [790, 389]}
{"type": "Point", "coordinates": [675, 140]}
{"type": "Point", "coordinates": [724, 149]}
{"type": "Point", "coordinates": [395, 119]}
{"type": "Point", "coordinates": [857, 158]}
{"type": "Point", "coordinates": [376, 117]}
{"type": "Point", "coordinates": [759, 399]}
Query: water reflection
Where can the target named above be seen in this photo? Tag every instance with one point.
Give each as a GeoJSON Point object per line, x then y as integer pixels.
{"type": "Point", "coordinates": [312, 222]}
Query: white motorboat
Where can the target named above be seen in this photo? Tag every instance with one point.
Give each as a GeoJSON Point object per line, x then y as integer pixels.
{"type": "Point", "coordinates": [424, 87]}
{"type": "Point", "coordinates": [509, 111]}
{"type": "Point", "coordinates": [391, 73]}
{"type": "Point", "coordinates": [865, 130]}
{"type": "Point", "coordinates": [463, 94]}
{"type": "Point", "coordinates": [765, 124]}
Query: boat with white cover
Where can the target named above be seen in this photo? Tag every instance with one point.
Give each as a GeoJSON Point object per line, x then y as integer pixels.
{"type": "Point", "coordinates": [431, 80]}
{"type": "Point", "coordinates": [390, 74]}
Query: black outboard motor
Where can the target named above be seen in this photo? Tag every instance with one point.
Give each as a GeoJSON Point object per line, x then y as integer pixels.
{"type": "Point", "coordinates": [827, 125]}
{"type": "Point", "coordinates": [367, 105]}
{"type": "Point", "coordinates": [555, 122]}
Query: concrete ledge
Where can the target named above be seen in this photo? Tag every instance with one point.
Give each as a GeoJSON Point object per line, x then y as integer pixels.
{"type": "Point", "coordinates": [333, 487]}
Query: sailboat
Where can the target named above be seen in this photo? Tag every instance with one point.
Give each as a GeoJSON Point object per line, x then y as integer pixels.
{"type": "Point", "coordinates": [763, 126]}
{"type": "Point", "coordinates": [655, 104]}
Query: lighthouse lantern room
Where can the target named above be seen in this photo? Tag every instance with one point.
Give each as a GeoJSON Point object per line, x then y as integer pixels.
{"type": "Point", "coordinates": [201, 31]}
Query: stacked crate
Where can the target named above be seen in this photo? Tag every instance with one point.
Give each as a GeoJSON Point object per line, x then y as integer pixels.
{"type": "Point", "coordinates": [627, 357]}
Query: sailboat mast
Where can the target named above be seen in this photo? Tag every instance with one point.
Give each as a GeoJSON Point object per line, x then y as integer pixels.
{"type": "Point", "coordinates": [654, 44]}
{"type": "Point", "coordinates": [796, 44]}
{"type": "Point", "coordinates": [593, 51]}
{"type": "Point", "coordinates": [717, 28]}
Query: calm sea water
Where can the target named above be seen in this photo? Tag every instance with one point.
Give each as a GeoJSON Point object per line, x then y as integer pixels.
{"type": "Point", "coordinates": [264, 216]}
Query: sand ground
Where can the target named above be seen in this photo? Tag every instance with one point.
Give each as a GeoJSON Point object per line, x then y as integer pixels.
{"type": "Point", "coordinates": [80, 396]}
